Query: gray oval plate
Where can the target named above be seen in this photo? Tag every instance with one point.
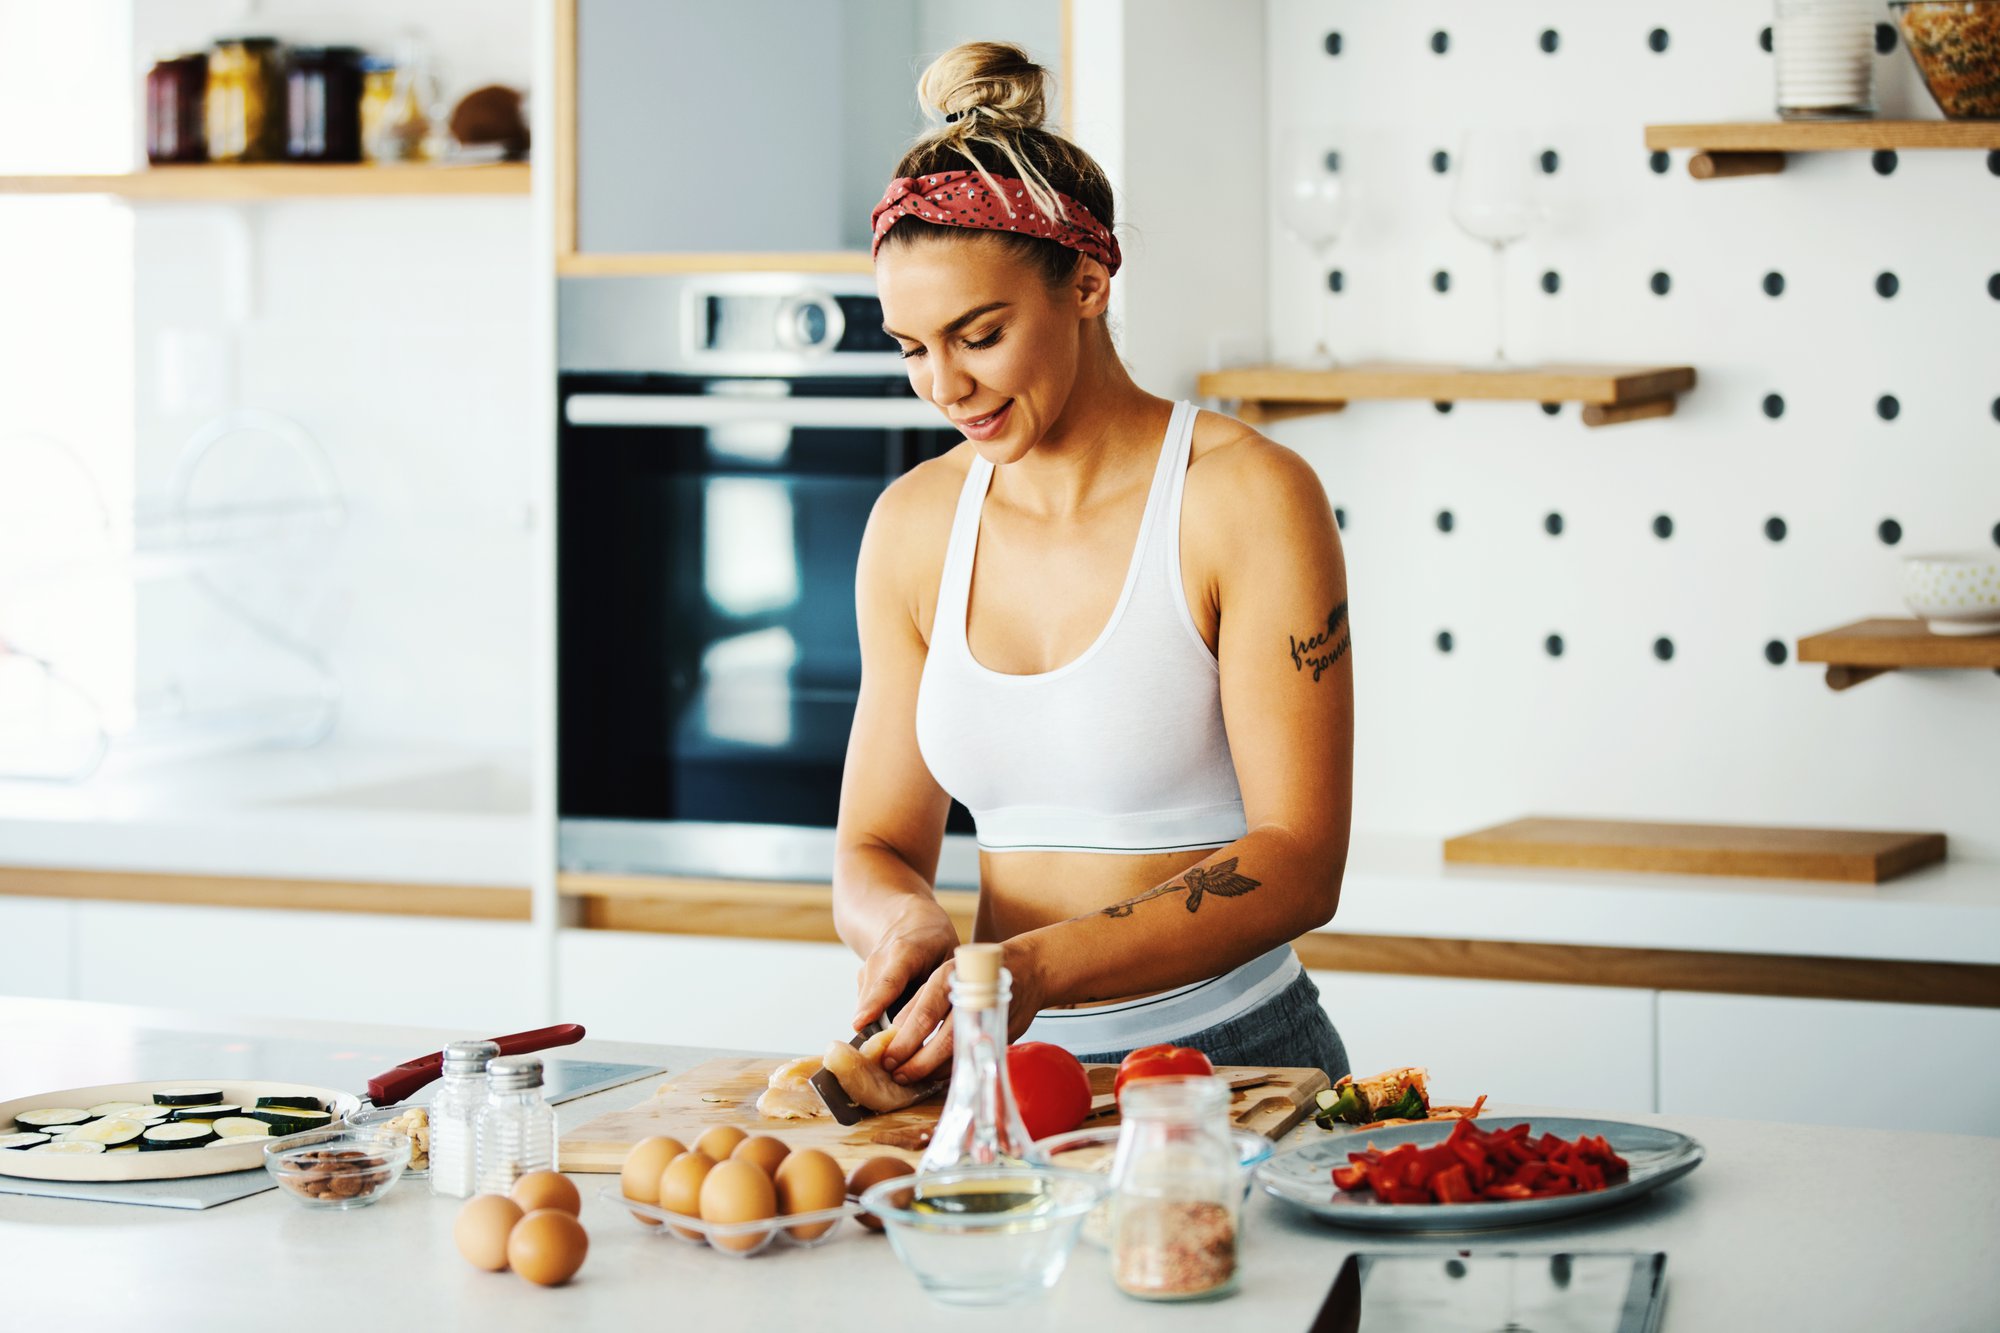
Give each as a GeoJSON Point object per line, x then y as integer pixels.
{"type": "Point", "coordinates": [1303, 1177]}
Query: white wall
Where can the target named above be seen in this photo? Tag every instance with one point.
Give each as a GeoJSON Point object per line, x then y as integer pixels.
{"type": "Point", "coordinates": [1498, 728]}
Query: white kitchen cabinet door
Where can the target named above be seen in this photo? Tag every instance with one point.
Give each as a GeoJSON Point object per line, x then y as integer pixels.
{"type": "Point", "coordinates": [1587, 1048]}
{"type": "Point", "coordinates": [36, 947]}
{"type": "Point", "coordinates": [1831, 1062]}
{"type": "Point", "coordinates": [752, 995]}
{"type": "Point", "coordinates": [481, 975]}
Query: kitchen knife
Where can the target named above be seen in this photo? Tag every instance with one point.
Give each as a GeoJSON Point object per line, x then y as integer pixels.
{"type": "Point", "coordinates": [844, 1108]}
{"type": "Point", "coordinates": [391, 1087]}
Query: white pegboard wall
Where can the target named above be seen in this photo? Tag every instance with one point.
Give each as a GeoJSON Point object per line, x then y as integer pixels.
{"type": "Point", "coordinates": [1497, 727]}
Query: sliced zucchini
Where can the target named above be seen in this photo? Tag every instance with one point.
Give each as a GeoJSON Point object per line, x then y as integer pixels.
{"type": "Point", "coordinates": [48, 1117]}
{"type": "Point", "coordinates": [241, 1127]}
{"type": "Point", "coordinates": [103, 1109]}
{"type": "Point", "coordinates": [124, 1147]}
{"type": "Point", "coordinates": [69, 1146]}
{"type": "Point", "coordinates": [187, 1096]}
{"type": "Point", "coordinates": [214, 1112]}
{"type": "Point", "coordinates": [292, 1102]}
{"type": "Point", "coordinates": [23, 1140]}
{"type": "Point", "coordinates": [189, 1135]}
{"type": "Point", "coordinates": [110, 1132]}
{"type": "Point", "coordinates": [284, 1121]}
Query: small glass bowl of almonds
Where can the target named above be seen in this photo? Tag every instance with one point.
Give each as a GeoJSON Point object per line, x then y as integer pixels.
{"type": "Point", "coordinates": [338, 1168]}
{"type": "Point", "coordinates": [414, 1121]}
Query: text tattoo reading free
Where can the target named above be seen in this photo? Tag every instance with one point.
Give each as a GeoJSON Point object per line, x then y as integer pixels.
{"type": "Point", "coordinates": [1307, 652]}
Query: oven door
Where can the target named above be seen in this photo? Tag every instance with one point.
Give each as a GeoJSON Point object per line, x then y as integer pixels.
{"type": "Point", "coordinates": [707, 655]}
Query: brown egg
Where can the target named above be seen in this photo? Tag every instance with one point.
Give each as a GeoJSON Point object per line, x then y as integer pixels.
{"type": "Point", "coordinates": [872, 1172]}
{"type": "Point", "coordinates": [482, 1228]}
{"type": "Point", "coordinates": [680, 1187]}
{"type": "Point", "coordinates": [547, 1247]}
{"type": "Point", "coordinates": [737, 1192]}
{"type": "Point", "coordinates": [761, 1151]}
{"type": "Point", "coordinates": [547, 1189]}
{"type": "Point", "coordinates": [809, 1181]}
{"type": "Point", "coordinates": [719, 1142]}
{"type": "Point", "coordinates": [640, 1176]}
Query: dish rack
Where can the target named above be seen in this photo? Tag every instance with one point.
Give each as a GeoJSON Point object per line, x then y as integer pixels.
{"type": "Point", "coordinates": [52, 726]}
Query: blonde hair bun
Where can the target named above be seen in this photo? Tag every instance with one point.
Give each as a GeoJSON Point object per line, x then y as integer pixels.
{"type": "Point", "coordinates": [993, 82]}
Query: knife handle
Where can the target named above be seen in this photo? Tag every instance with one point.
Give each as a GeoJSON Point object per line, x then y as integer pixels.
{"type": "Point", "coordinates": [387, 1089]}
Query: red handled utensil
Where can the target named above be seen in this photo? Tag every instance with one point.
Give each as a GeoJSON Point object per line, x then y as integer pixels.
{"type": "Point", "coordinates": [391, 1087]}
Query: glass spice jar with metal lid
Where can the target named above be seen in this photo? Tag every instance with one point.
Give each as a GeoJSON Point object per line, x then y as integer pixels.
{"type": "Point", "coordinates": [454, 1118]}
{"type": "Point", "coordinates": [176, 118]}
{"type": "Point", "coordinates": [245, 102]}
{"type": "Point", "coordinates": [517, 1126]}
{"type": "Point", "coordinates": [1177, 1191]}
{"type": "Point", "coordinates": [323, 104]}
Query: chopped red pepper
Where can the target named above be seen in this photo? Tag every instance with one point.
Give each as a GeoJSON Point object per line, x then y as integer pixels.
{"type": "Point", "coordinates": [1474, 1164]}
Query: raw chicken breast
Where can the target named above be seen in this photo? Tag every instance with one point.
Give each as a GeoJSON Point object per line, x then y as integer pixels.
{"type": "Point", "coordinates": [860, 1072]}
{"type": "Point", "coordinates": [788, 1095]}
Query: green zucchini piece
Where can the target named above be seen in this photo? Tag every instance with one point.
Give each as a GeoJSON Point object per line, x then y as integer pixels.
{"type": "Point", "coordinates": [283, 1121]}
{"type": "Point", "coordinates": [69, 1146]}
{"type": "Point", "coordinates": [292, 1102]}
{"type": "Point", "coordinates": [187, 1096]}
{"type": "Point", "coordinates": [49, 1117]}
{"type": "Point", "coordinates": [213, 1112]}
{"type": "Point", "coordinates": [26, 1139]}
{"type": "Point", "coordinates": [110, 1132]}
{"type": "Point", "coordinates": [119, 1109]}
{"type": "Point", "coordinates": [241, 1127]}
{"type": "Point", "coordinates": [171, 1136]}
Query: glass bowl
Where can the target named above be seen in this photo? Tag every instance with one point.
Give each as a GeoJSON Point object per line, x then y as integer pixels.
{"type": "Point", "coordinates": [338, 1168]}
{"type": "Point", "coordinates": [741, 1239]}
{"type": "Point", "coordinates": [1092, 1150]}
{"type": "Point", "coordinates": [982, 1235]}
{"type": "Point", "coordinates": [415, 1121]}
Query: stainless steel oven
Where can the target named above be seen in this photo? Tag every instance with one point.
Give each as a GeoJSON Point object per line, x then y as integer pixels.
{"type": "Point", "coordinates": [721, 443]}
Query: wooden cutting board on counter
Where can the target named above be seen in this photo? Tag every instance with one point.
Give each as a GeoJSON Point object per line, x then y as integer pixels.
{"type": "Point", "coordinates": [724, 1092]}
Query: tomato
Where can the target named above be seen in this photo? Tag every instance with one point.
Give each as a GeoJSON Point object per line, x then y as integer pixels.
{"type": "Point", "coordinates": [1165, 1061]}
{"type": "Point", "coordinates": [1050, 1088]}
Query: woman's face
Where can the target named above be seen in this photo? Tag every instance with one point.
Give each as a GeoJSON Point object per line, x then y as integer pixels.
{"type": "Point", "coordinates": [985, 338]}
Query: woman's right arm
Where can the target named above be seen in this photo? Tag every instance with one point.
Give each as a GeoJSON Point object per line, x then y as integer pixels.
{"type": "Point", "coordinates": [892, 811]}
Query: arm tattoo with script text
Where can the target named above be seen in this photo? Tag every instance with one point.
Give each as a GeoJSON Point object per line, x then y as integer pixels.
{"type": "Point", "coordinates": [1313, 651]}
{"type": "Point", "coordinates": [1219, 879]}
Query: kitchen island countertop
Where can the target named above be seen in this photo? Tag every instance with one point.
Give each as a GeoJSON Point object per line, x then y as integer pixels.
{"type": "Point", "coordinates": [1784, 1226]}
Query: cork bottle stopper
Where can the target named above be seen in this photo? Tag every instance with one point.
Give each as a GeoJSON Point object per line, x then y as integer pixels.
{"type": "Point", "coordinates": [979, 963]}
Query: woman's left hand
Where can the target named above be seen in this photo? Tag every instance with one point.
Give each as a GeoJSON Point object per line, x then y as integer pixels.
{"type": "Point", "coordinates": [922, 1048]}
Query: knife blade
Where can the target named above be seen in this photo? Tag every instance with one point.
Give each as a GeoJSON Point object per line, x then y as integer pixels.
{"type": "Point", "coordinates": [844, 1108]}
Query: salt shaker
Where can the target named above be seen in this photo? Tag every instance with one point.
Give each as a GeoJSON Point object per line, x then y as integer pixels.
{"type": "Point", "coordinates": [455, 1115]}
{"type": "Point", "coordinates": [1177, 1191]}
{"type": "Point", "coordinates": [517, 1127]}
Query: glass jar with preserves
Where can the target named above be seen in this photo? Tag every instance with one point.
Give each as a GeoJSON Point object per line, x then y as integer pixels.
{"type": "Point", "coordinates": [176, 131]}
{"type": "Point", "coordinates": [1177, 1191]}
{"type": "Point", "coordinates": [378, 93]}
{"type": "Point", "coordinates": [246, 100]}
{"type": "Point", "coordinates": [323, 105]}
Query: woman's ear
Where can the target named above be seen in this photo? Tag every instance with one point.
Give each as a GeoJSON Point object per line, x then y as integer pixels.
{"type": "Point", "coordinates": [1091, 285]}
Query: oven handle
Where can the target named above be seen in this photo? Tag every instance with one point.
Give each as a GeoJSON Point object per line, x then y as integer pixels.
{"type": "Point", "coordinates": [633, 409]}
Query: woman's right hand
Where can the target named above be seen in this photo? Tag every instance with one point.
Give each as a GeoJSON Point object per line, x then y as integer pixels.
{"type": "Point", "coordinates": [919, 942]}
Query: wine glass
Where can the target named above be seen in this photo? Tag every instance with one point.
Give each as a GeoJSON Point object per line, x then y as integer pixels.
{"type": "Point", "coordinates": [1312, 204]}
{"type": "Point", "coordinates": [1494, 199]}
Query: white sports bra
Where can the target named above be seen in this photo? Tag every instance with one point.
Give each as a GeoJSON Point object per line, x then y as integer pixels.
{"type": "Point", "coordinates": [1121, 750]}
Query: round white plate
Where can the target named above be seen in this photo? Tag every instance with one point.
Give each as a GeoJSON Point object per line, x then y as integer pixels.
{"type": "Point", "coordinates": [1303, 1177]}
{"type": "Point", "coordinates": [170, 1164]}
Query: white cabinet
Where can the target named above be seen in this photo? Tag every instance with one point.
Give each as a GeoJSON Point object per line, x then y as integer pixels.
{"type": "Point", "coordinates": [36, 947]}
{"type": "Point", "coordinates": [1586, 1047]}
{"type": "Point", "coordinates": [1831, 1062]}
{"type": "Point", "coordinates": [751, 995]}
{"type": "Point", "coordinates": [343, 966]}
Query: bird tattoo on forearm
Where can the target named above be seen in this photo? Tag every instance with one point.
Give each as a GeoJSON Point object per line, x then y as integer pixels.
{"type": "Point", "coordinates": [1220, 880]}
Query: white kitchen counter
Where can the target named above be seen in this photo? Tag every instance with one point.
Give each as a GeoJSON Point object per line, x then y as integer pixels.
{"type": "Point", "coordinates": [344, 810]}
{"type": "Point", "coordinates": [1783, 1227]}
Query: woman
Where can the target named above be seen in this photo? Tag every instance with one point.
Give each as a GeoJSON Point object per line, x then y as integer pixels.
{"type": "Point", "coordinates": [1114, 627]}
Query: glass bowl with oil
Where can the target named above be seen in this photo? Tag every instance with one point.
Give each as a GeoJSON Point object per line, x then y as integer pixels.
{"type": "Point", "coordinates": [983, 1235]}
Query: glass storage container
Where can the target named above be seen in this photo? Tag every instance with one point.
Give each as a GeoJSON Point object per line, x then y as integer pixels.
{"type": "Point", "coordinates": [517, 1127]}
{"type": "Point", "coordinates": [245, 102]}
{"type": "Point", "coordinates": [1177, 1191]}
{"type": "Point", "coordinates": [176, 131]}
{"type": "Point", "coordinates": [455, 1118]}
{"type": "Point", "coordinates": [323, 105]}
{"type": "Point", "coordinates": [980, 1124]}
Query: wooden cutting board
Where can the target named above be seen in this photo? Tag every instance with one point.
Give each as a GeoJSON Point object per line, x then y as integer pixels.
{"type": "Point", "coordinates": [1852, 856]}
{"type": "Point", "coordinates": [724, 1092]}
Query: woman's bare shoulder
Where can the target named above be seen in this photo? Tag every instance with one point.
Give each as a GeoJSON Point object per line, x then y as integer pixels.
{"type": "Point", "coordinates": [910, 527]}
{"type": "Point", "coordinates": [1235, 472]}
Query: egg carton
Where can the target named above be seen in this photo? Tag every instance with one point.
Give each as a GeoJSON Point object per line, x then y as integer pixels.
{"type": "Point", "coordinates": [741, 1240]}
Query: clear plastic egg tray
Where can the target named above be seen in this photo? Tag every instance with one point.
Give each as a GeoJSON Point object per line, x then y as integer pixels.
{"type": "Point", "coordinates": [741, 1240]}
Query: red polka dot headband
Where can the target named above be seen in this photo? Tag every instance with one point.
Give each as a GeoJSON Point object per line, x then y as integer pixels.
{"type": "Point", "coordinates": [966, 199]}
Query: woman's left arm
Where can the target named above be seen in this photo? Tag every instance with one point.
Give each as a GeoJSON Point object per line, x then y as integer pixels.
{"type": "Point", "coordinates": [1257, 518]}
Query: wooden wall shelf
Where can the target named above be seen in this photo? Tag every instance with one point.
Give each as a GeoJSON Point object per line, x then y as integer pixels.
{"type": "Point", "coordinates": [1758, 147]}
{"type": "Point", "coordinates": [1867, 648]}
{"type": "Point", "coordinates": [1609, 394]}
{"type": "Point", "coordinates": [282, 180]}
{"type": "Point", "coordinates": [1851, 856]}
